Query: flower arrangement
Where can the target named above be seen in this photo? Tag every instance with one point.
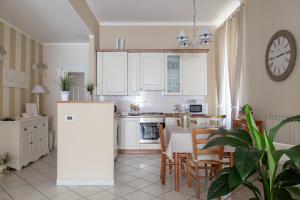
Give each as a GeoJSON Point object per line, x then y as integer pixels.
{"type": "Point", "coordinates": [134, 108]}
{"type": "Point", "coordinates": [64, 80]}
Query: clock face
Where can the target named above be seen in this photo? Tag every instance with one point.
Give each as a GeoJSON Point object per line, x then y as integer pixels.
{"type": "Point", "coordinates": [280, 55]}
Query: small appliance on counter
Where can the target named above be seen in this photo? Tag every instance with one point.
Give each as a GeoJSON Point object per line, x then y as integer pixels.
{"type": "Point", "coordinates": [196, 107]}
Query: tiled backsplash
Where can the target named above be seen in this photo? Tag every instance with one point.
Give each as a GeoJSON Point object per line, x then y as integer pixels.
{"type": "Point", "coordinates": [150, 101]}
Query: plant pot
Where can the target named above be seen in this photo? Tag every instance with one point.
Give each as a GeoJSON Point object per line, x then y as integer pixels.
{"type": "Point", "coordinates": [64, 95]}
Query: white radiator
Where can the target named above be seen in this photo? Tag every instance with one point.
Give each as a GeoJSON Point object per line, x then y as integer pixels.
{"type": "Point", "coordinates": [288, 134]}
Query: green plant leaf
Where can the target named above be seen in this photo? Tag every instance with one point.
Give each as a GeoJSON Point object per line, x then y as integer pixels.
{"type": "Point", "coordinates": [225, 141]}
{"type": "Point", "coordinates": [272, 160]}
{"type": "Point", "coordinates": [293, 153]}
{"type": "Point", "coordinates": [294, 190]}
{"type": "Point", "coordinates": [246, 160]}
{"type": "Point", "coordinates": [254, 189]}
{"type": "Point", "coordinates": [288, 177]}
{"type": "Point", "coordinates": [234, 178]}
{"type": "Point", "coordinates": [282, 194]}
{"type": "Point", "coordinates": [240, 134]}
{"type": "Point", "coordinates": [274, 130]}
{"type": "Point", "coordinates": [256, 136]}
{"type": "Point", "coordinates": [219, 187]}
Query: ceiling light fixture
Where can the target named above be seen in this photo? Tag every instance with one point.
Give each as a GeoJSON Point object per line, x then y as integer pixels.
{"type": "Point", "coordinates": [198, 39]}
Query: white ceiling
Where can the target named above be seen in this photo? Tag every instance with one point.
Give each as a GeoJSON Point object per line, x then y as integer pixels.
{"type": "Point", "coordinates": [161, 12]}
{"type": "Point", "coordinates": [49, 21]}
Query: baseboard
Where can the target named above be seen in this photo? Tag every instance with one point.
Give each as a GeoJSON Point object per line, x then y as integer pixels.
{"type": "Point", "coordinates": [139, 151]}
{"type": "Point", "coordinates": [84, 182]}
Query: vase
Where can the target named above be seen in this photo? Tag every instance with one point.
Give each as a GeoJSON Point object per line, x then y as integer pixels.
{"type": "Point", "coordinates": [64, 95]}
{"type": "Point", "coordinates": [2, 170]}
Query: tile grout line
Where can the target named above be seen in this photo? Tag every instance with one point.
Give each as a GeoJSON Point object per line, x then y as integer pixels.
{"type": "Point", "coordinates": [7, 193]}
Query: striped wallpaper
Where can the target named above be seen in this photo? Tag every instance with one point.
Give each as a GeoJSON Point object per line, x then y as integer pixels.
{"type": "Point", "coordinates": [22, 53]}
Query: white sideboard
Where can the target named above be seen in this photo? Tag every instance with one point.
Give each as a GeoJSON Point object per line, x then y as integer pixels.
{"type": "Point", "coordinates": [26, 140]}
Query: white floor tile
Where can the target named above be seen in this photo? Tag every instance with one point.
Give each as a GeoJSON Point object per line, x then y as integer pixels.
{"type": "Point", "coordinates": [175, 196]}
{"type": "Point", "coordinates": [139, 195]}
{"type": "Point", "coordinates": [104, 195]}
{"type": "Point", "coordinates": [121, 190]}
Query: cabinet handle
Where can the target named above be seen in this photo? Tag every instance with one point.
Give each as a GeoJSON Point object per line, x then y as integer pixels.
{"type": "Point", "coordinates": [25, 129]}
{"type": "Point", "coordinates": [43, 124]}
{"type": "Point", "coordinates": [34, 126]}
{"type": "Point", "coordinates": [41, 139]}
{"type": "Point", "coordinates": [31, 142]}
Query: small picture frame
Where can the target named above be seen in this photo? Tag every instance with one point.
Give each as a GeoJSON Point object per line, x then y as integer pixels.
{"type": "Point", "coordinates": [31, 108]}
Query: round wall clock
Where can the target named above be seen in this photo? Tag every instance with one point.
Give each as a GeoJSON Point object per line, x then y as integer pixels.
{"type": "Point", "coordinates": [280, 55]}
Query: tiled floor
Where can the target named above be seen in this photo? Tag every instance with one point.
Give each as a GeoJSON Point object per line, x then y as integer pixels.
{"type": "Point", "coordinates": [137, 178]}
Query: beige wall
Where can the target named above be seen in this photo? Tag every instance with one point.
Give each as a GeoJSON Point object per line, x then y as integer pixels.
{"type": "Point", "coordinates": [157, 37]}
{"type": "Point", "coordinates": [263, 19]}
{"type": "Point", "coordinates": [22, 53]}
{"type": "Point", "coordinates": [85, 145]}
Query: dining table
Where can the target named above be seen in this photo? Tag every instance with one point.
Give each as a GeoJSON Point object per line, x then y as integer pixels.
{"type": "Point", "coordinates": [179, 140]}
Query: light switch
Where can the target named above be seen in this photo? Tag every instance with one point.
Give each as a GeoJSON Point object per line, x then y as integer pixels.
{"type": "Point", "coordinates": [70, 118]}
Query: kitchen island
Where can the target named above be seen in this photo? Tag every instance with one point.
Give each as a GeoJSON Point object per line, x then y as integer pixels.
{"type": "Point", "coordinates": [85, 143]}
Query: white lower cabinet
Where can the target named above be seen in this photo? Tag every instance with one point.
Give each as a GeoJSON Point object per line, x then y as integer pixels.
{"type": "Point", "coordinates": [130, 133]}
{"type": "Point", "coordinates": [171, 121]}
{"type": "Point", "coordinates": [25, 140]}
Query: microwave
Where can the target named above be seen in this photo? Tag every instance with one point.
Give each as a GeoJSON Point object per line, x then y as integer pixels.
{"type": "Point", "coordinates": [197, 109]}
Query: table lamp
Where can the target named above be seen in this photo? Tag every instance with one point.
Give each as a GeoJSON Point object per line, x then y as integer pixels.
{"type": "Point", "coordinates": [37, 89]}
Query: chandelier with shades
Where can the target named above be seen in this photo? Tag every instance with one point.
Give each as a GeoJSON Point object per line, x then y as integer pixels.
{"type": "Point", "coordinates": [199, 38]}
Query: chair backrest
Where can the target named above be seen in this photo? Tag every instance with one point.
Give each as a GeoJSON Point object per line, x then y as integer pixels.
{"type": "Point", "coordinates": [162, 137]}
{"type": "Point", "coordinates": [200, 138]}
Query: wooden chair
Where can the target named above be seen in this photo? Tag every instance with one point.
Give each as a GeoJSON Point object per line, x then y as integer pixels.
{"type": "Point", "coordinates": [208, 159]}
{"type": "Point", "coordinates": [165, 160]}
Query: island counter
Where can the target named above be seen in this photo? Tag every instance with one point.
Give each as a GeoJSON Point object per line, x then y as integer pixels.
{"type": "Point", "coordinates": [85, 143]}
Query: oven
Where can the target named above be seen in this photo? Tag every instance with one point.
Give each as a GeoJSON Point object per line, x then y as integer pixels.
{"type": "Point", "coordinates": [149, 133]}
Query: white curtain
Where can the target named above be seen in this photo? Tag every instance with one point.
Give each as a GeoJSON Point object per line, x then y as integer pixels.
{"type": "Point", "coordinates": [235, 33]}
{"type": "Point", "coordinates": [229, 61]}
{"type": "Point", "coordinates": [220, 42]}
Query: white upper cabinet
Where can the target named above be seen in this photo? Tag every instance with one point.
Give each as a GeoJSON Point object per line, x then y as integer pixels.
{"type": "Point", "coordinates": [173, 74]}
{"type": "Point", "coordinates": [194, 74]}
{"type": "Point", "coordinates": [114, 73]}
{"type": "Point", "coordinates": [99, 73]}
{"type": "Point", "coordinates": [133, 73]}
{"type": "Point", "coordinates": [152, 71]}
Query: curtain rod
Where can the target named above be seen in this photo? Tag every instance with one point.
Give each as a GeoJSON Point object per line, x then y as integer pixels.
{"type": "Point", "coordinates": [236, 11]}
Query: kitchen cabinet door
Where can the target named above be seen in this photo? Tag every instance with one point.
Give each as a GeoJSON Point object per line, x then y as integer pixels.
{"type": "Point", "coordinates": [35, 145]}
{"type": "Point", "coordinates": [194, 74]}
{"type": "Point", "coordinates": [152, 71]}
{"type": "Point", "coordinates": [173, 74]}
{"type": "Point", "coordinates": [133, 73]}
{"type": "Point", "coordinates": [130, 133]}
{"type": "Point", "coordinates": [114, 73]}
{"type": "Point", "coordinates": [99, 72]}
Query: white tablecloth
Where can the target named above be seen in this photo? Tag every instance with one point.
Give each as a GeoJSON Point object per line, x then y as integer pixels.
{"type": "Point", "coordinates": [180, 140]}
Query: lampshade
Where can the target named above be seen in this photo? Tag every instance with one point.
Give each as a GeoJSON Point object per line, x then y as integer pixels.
{"type": "Point", "coordinates": [37, 89]}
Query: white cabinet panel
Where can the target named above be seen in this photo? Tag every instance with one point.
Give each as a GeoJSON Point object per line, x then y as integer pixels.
{"type": "Point", "coordinates": [194, 74]}
{"type": "Point", "coordinates": [99, 73]}
{"type": "Point", "coordinates": [173, 73]}
{"type": "Point", "coordinates": [114, 73]}
{"type": "Point", "coordinates": [130, 133]}
{"type": "Point", "coordinates": [152, 71]}
{"type": "Point", "coordinates": [133, 73]}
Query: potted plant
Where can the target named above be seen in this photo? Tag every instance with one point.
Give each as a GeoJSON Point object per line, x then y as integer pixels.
{"type": "Point", "coordinates": [256, 156]}
{"type": "Point", "coordinates": [90, 88]}
{"type": "Point", "coordinates": [242, 112]}
{"type": "Point", "coordinates": [64, 83]}
{"type": "Point", "coordinates": [4, 160]}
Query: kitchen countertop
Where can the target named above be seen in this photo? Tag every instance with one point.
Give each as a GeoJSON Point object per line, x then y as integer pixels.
{"type": "Point", "coordinates": [165, 115]}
